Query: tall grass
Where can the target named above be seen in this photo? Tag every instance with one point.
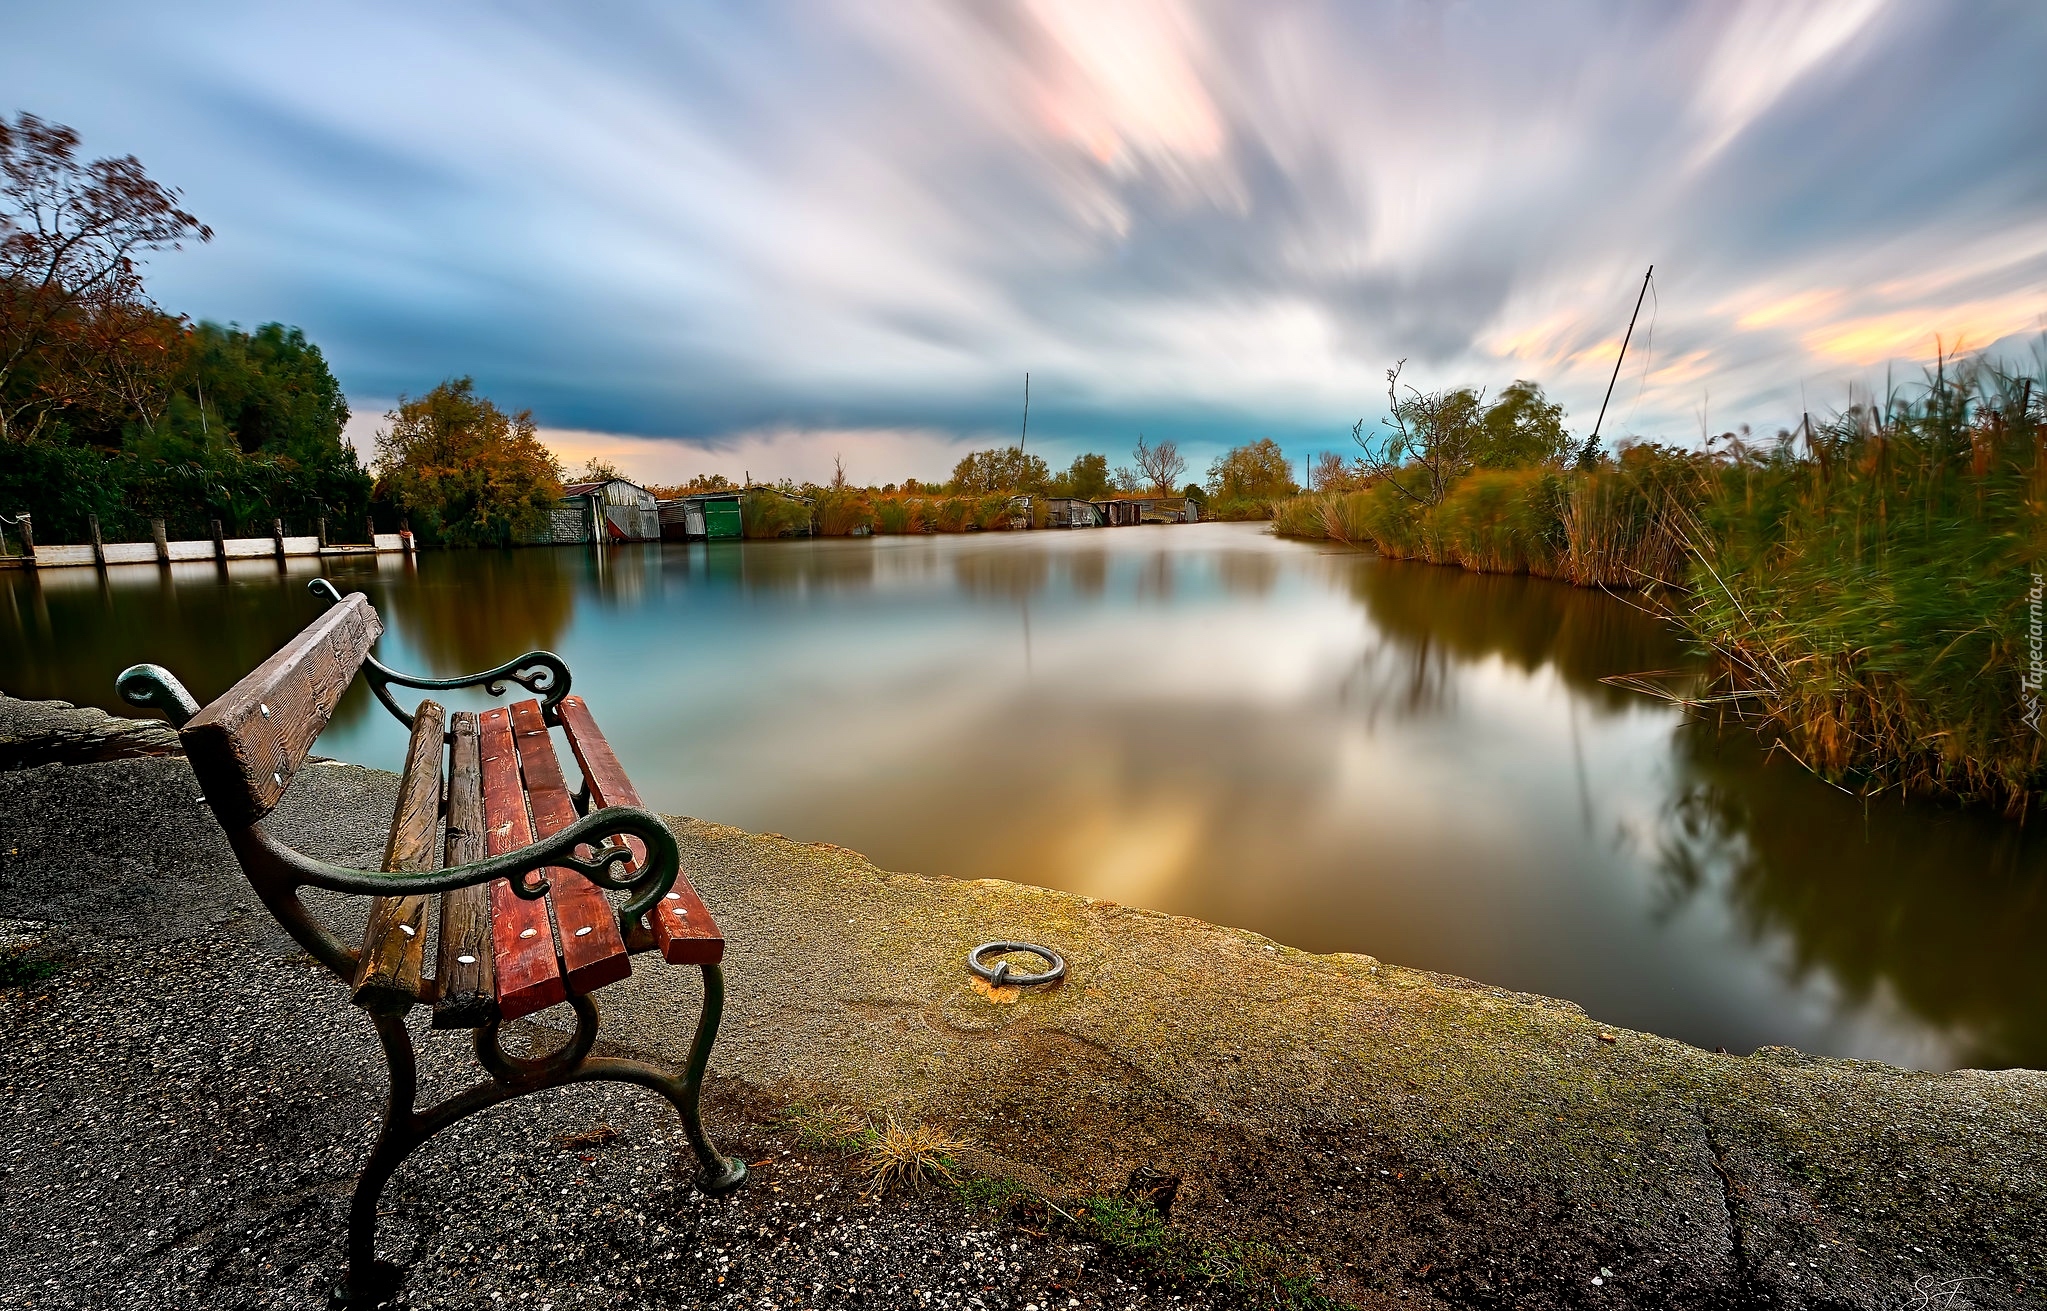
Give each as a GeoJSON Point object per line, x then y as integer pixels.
{"type": "Point", "coordinates": [1868, 597]}
{"type": "Point", "coordinates": [898, 515]}
{"type": "Point", "coordinates": [841, 511]}
{"type": "Point", "coordinates": [1864, 589]}
{"type": "Point", "coordinates": [765, 513]}
{"type": "Point", "coordinates": [1607, 527]}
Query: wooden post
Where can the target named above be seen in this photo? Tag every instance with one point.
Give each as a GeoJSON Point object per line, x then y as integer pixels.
{"type": "Point", "coordinates": [596, 518]}
{"type": "Point", "coordinates": [162, 540]}
{"type": "Point", "coordinates": [323, 532]}
{"type": "Point", "coordinates": [371, 524]}
{"type": "Point", "coordinates": [99, 547]}
{"type": "Point", "coordinates": [277, 537]}
{"type": "Point", "coordinates": [28, 538]}
{"type": "Point", "coordinates": [219, 544]}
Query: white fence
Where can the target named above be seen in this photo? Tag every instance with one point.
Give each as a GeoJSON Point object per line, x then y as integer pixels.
{"type": "Point", "coordinates": [230, 548]}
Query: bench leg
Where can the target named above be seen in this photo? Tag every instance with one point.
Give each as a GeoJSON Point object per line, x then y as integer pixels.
{"type": "Point", "coordinates": [369, 1282]}
{"type": "Point", "coordinates": [717, 1173]}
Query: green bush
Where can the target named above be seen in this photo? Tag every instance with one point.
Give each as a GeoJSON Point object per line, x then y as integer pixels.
{"type": "Point", "coordinates": [764, 513]}
{"type": "Point", "coordinates": [61, 486]}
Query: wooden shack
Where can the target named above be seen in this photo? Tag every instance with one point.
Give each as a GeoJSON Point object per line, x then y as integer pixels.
{"type": "Point", "coordinates": [611, 510]}
{"type": "Point", "coordinates": [1071, 512]}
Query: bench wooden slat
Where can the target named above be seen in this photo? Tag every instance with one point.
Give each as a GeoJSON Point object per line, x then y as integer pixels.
{"type": "Point", "coordinates": [246, 746]}
{"type": "Point", "coordinates": [592, 952]}
{"type": "Point", "coordinates": [394, 940]}
{"type": "Point", "coordinates": [462, 969]}
{"type": "Point", "coordinates": [528, 975]}
{"type": "Point", "coordinates": [683, 927]}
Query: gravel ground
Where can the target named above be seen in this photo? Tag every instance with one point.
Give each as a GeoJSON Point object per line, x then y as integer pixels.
{"type": "Point", "coordinates": [186, 1099]}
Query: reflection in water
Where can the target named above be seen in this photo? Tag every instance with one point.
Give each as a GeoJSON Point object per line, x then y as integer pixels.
{"type": "Point", "coordinates": [1340, 752]}
{"type": "Point", "coordinates": [1937, 912]}
{"type": "Point", "coordinates": [500, 604]}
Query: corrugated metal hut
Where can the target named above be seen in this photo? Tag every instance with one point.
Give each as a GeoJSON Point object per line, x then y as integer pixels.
{"type": "Point", "coordinates": [612, 510]}
{"type": "Point", "coordinates": [703, 516]}
{"type": "Point", "coordinates": [1071, 512]}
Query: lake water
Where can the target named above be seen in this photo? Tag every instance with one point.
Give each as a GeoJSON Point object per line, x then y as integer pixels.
{"type": "Point", "coordinates": [1343, 753]}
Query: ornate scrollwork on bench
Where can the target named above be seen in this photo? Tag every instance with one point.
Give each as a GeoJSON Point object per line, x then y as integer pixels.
{"type": "Point", "coordinates": [542, 673]}
{"type": "Point", "coordinates": [648, 884]}
{"type": "Point", "coordinates": [152, 687]}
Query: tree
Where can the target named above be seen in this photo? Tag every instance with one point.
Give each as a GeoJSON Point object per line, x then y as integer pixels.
{"type": "Point", "coordinates": [1161, 464]}
{"type": "Point", "coordinates": [70, 235]}
{"type": "Point", "coordinates": [1006, 469]}
{"type": "Point", "coordinates": [595, 470]}
{"type": "Point", "coordinates": [1334, 474]}
{"type": "Point", "coordinates": [1438, 437]}
{"type": "Point", "coordinates": [1433, 439]}
{"type": "Point", "coordinates": [266, 393]}
{"type": "Point", "coordinates": [1088, 477]}
{"type": "Point", "coordinates": [1255, 471]}
{"type": "Point", "coordinates": [1522, 429]}
{"type": "Point", "coordinates": [467, 473]}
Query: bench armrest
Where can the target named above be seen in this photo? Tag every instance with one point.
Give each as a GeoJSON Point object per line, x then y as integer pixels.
{"type": "Point", "coordinates": [542, 673]}
{"type": "Point", "coordinates": [648, 884]}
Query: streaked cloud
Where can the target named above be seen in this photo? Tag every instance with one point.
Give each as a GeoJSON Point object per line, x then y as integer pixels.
{"type": "Point", "coordinates": [757, 231]}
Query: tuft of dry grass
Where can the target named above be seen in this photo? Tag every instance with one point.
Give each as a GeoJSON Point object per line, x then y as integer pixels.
{"type": "Point", "coordinates": [909, 1157]}
{"type": "Point", "coordinates": [597, 1135]}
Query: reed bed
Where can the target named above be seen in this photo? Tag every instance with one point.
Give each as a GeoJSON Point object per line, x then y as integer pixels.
{"type": "Point", "coordinates": [1867, 589]}
{"type": "Point", "coordinates": [1608, 527]}
{"type": "Point", "coordinates": [1871, 598]}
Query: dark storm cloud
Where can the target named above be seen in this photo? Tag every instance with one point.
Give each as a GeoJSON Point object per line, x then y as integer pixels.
{"type": "Point", "coordinates": [768, 230]}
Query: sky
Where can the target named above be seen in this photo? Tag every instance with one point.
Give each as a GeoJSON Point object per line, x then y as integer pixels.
{"type": "Point", "coordinates": [750, 238]}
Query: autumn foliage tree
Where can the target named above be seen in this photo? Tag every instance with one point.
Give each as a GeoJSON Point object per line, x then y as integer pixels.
{"type": "Point", "coordinates": [75, 328]}
{"type": "Point", "coordinates": [463, 471]}
{"type": "Point", "coordinates": [1255, 471]}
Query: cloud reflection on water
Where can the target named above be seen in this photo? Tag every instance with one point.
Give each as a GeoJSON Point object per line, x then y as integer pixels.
{"type": "Point", "coordinates": [1336, 751]}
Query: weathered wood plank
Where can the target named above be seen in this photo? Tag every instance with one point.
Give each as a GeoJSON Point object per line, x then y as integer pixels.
{"type": "Point", "coordinates": [527, 972]}
{"type": "Point", "coordinates": [394, 940]}
{"type": "Point", "coordinates": [592, 952]}
{"type": "Point", "coordinates": [463, 972]}
{"type": "Point", "coordinates": [683, 927]}
{"type": "Point", "coordinates": [246, 746]}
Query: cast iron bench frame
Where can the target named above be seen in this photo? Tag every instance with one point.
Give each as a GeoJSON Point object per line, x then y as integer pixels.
{"type": "Point", "coordinates": [549, 854]}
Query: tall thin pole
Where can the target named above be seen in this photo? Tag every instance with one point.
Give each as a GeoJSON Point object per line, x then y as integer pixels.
{"type": "Point", "coordinates": [1025, 436]}
{"type": "Point", "coordinates": [1639, 296]}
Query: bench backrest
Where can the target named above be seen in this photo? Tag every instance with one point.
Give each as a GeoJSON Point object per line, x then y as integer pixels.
{"type": "Point", "coordinates": [246, 746]}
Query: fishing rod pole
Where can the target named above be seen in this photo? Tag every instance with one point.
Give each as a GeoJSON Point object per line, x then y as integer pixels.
{"type": "Point", "coordinates": [1593, 441]}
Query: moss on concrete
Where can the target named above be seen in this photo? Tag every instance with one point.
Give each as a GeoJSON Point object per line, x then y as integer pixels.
{"type": "Point", "coordinates": [1409, 1132]}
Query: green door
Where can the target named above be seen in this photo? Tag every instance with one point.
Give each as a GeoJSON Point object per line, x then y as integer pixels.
{"type": "Point", "coordinates": [721, 518]}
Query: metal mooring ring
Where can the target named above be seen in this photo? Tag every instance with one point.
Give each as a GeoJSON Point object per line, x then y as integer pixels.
{"type": "Point", "coordinates": [1000, 977]}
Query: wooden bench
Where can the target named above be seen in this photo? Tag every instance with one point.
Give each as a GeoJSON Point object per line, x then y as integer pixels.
{"type": "Point", "coordinates": [544, 895]}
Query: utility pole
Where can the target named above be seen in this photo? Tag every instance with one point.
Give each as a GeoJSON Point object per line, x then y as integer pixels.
{"type": "Point", "coordinates": [1594, 439]}
{"type": "Point", "coordinates": [1027, 413]}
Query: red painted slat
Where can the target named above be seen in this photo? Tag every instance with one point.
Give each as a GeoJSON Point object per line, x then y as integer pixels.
{"type": "Point", "coordinates": [592, 952]}
{"type": "Point", "coordinates": [683, 927]}
{"type": "Point", "coordinates": [522, 941]}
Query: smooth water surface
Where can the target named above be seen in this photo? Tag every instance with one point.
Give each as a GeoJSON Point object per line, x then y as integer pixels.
{"type": "Point", "coordinates": [1343, 753]}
